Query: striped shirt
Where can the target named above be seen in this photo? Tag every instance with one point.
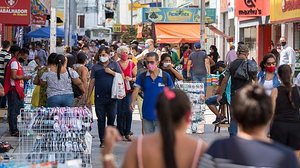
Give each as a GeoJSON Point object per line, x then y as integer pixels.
{"type": "Point", "coordinates": [4, 59]}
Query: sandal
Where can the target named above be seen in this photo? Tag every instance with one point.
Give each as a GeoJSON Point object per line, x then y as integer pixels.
{"type": "Point", "coordinates": [128, 138]}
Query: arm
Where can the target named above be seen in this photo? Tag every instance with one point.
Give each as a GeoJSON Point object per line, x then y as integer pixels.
{"type": "Point", "coordinates": [207, 65]}
{"type": "Point", "coordinates": [134, 97]}
{"type": "Point", "coordinates": [90, 90]}
{"type": "Point", "coordinates": [130, 160]}
{"type": "Point", "coordinates": [188, 70]}
{"type": "Point", "coordinates": [177, 74]}
{"type": "Point", "coordinates": [274, 95]}
{"type": "Point", "coordinates": [84, 77]}
{"type": "Point", "coordinates": [176, 59]}
{"type": "Point", "coordinates": [14, 76]}
{"type": "Point", "coordinates": [36, 80]}
{"type": "Point", "coordinates": [222, 87]}
{"type": "Point", "coordinates": [79, 83]}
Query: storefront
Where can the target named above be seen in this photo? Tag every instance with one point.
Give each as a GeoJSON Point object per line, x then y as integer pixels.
{"type": "Point", "coordinates": [285, 17]}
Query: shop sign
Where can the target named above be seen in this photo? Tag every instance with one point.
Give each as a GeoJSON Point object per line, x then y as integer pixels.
{"type": "Point", "coordinates": [231, 9]}
{"type": "Point", "coordinates": [38, 19]}
{"type": "Point", "coordinates": [177, 15]}
{"type": "Point", "coordinates": [290, 5]}
{"type": "Point", "coordinates": [284, 11]}
{"type": "Point", "coordinates": [136, 6]}
{"type": "Point", "coordinates": [15, 12]}
{"type": "Point", "coordinates": [117, 28]}
{"type": "Point", "coordinates": [245, 8]}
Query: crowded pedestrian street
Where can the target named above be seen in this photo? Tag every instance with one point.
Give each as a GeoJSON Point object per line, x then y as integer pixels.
{"type": "Point", "coordinates": [149, 83]}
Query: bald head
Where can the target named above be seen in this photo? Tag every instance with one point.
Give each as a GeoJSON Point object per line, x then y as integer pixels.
{"type": "Point", "coordinates": [282, 41]}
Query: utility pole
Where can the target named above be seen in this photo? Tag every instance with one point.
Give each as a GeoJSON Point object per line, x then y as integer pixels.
{"type": "Point", "coordinates": [53, 27]}
{"type": "Point", "coordinates": [131, 13]}
{"type": "Point", "coordinates": [67, 21]}
{"type": "Point", "coordinates": [202, 21]}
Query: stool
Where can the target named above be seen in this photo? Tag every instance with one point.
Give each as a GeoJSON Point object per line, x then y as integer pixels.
{"type": "Point", "coordinates": [223, 125]}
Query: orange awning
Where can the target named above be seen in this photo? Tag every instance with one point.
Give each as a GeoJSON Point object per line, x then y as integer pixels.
{"type": "Point", "coordinates": [177, 33]}
{"type": "Point", "coordinates": [218, 32]}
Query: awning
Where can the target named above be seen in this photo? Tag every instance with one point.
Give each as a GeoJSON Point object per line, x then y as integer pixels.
{"type": "Point", "coordinates": [218, 32]}
{"type": "Point", "coordinates": [177, 33]}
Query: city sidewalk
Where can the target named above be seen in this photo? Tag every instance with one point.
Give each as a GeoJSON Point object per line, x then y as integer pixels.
{"type": "Point", "coordinates": [209, 136]}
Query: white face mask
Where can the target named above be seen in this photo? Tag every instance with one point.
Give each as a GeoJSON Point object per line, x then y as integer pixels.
{"type": "Point", "coordinates": [166, 64]}
{"type": "Point", "coordinates": [104, 59]}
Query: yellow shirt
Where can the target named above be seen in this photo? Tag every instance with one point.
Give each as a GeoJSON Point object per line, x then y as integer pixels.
{"type": "Point", "coordinates": [134, 60]}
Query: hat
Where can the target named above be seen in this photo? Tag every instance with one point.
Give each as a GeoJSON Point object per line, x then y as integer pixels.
{"type": "Point", "coordinates": [197, 45]}
{"type": "Point", "coordinates": [220, 64]}
{"type": "Point", "coordinates": [243, 48]}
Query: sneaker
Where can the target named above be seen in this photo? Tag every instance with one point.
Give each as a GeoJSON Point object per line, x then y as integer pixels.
{"type": "Point", "coordinates": [217, 120]}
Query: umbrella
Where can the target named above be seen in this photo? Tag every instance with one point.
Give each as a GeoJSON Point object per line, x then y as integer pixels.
{"type": "Point", "coordinates": [45, 33]}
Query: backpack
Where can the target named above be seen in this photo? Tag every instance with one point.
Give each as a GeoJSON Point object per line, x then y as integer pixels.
{"type": "Point", "coordinates": [143, 78]}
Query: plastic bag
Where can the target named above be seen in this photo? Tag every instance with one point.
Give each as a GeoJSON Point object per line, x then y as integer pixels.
{"type": "Point", "coordinates": [118, 87]}
{"type": "Point", "coordinates": [35, 101]}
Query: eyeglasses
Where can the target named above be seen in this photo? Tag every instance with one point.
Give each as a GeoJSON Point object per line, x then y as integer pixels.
{"type": "Point", "coordinates": [271, 63]}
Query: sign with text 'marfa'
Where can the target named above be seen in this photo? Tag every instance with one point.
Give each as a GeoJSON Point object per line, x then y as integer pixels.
{"type": "Point", "coordinates": [15, 12]}
{"type": "Point", "coordinates": [245, 8]}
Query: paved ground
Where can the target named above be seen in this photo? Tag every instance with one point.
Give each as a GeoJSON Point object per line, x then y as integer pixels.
{"type": "Point", "coordinates": [209, 136]}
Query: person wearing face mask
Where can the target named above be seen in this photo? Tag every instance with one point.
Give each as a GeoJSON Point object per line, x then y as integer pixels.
{"type": "Point", "coordinates": [151, 83]}
{"type": "Point", "coordinates": [167, 66]}
{"type": "Point", "coordinates": [14, 86]}
{"type": "Point", "coordinates": [102, 76]}
{"type": "Point", "coordinates": [124, 113]}
{"type": "Point", "coordinates": [287, 55]}
{"type": "Point", "coordinates": [149, 47]}
{"type": "Point", "coordinates": [267, 77]}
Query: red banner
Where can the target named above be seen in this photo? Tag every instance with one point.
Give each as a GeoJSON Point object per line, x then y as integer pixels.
{"type": "Point", "coordinates": [38, 19]}
{"type": "Point", "coordinates": [15, 12]}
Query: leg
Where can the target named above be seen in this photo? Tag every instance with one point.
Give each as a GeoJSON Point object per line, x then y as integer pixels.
{"type": "Point", "coordinates": [232, 126]}
{"type": "Point", "coordinates": [120, 117]}
{"type": "Point", "coordinates": [128, 114]}
{"type": "Point", "coordinates": [148, 126]}
{"type": "Point", "coordinates": [100, 112]}
{"type": "Point", "coordinates": [111, 110]}
{"type": "Point", "coordinates": [211, 102]}
{"type": "Point", "coordinates": [140, 104]}
{"type": "Point", "coordinates": [13, 110]}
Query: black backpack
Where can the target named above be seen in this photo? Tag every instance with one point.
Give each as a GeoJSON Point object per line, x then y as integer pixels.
{"type": "Point", "coordinates": [144, 74]}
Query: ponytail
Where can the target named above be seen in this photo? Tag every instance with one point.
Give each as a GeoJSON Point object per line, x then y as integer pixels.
{"type": "Point", "coordinates": [58, 69]}
{"type": "Point", "coordinates": [167, 131]}
{"type": "Point", "coordinates": [60, 60]}
{"type": "Point", "coordinates": [285, 74]}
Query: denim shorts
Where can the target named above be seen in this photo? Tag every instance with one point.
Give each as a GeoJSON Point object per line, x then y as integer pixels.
{"type": "Point", "coordinates": [213, 100]}
{"type": "Point", "coordinates": [65, 100]}
{"type": "Point", "coordinates": [150, 126]}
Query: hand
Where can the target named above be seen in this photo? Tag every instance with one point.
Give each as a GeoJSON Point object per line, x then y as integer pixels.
{"type": "Point", "coordinates": [27, 77]}
{"type": "Point", "coordinates": [128, 78]}
{"type": "Point", "coordinates": [109, 71]}
{"type": "Point", "coordinates": [188, 75]}
{"type": "Point", "coordinates": [132, 106]}
{"type": "Point", "coordinates": [170, 66]}
{"type": "Point", "coordinates": [88, 102]}
{"type": "Point", "coordinates": [111, 136]}
{"type": "Point", "coordinates": [219, 98]}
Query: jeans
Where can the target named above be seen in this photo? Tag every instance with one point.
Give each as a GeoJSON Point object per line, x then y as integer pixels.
{"type": "Point", "coordinates": [105, 109]}
{"type": "Point", "coordinates": [14, 106]}
{"type": "Point", "coordinates": [124, 115]}
{"type": "Point", "coordinates": [184, 74]}
{"type": "Point", "coordinates": [232, 126]}
{"type": "Point", "coordinates": [66, 100]}
{"type": "Point", "coordinates": [150, 126]}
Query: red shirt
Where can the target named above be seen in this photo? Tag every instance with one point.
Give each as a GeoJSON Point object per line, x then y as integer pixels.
{"type": "Point", "coordinates": [186, 55]}
{"type": "Point", "coordinates": [127, 72]}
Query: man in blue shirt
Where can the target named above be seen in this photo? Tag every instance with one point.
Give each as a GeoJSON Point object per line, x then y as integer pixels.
{"type": "Point", "coordinates": [151, 83]}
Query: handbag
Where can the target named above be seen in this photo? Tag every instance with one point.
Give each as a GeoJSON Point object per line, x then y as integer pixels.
{"type": "Point", "coordinates": [35, 100]}
{"type": "Point", "coordinates": [131, 82]}
{"type": "Point", "coordinates": [76, 90]}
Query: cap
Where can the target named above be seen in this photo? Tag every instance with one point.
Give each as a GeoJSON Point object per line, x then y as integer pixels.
{"type": "Point", "coordinates": [197, 45]}
{"type": "Point", "coordinates": [243, 48]}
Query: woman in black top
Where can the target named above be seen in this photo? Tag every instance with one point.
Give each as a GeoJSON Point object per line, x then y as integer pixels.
{"type": "Point", "coordinates": [214, 55]}
{"type": "Point", "coordinates": [167, 66]}
{"type": "Point", "coordinates": [286, 103]}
